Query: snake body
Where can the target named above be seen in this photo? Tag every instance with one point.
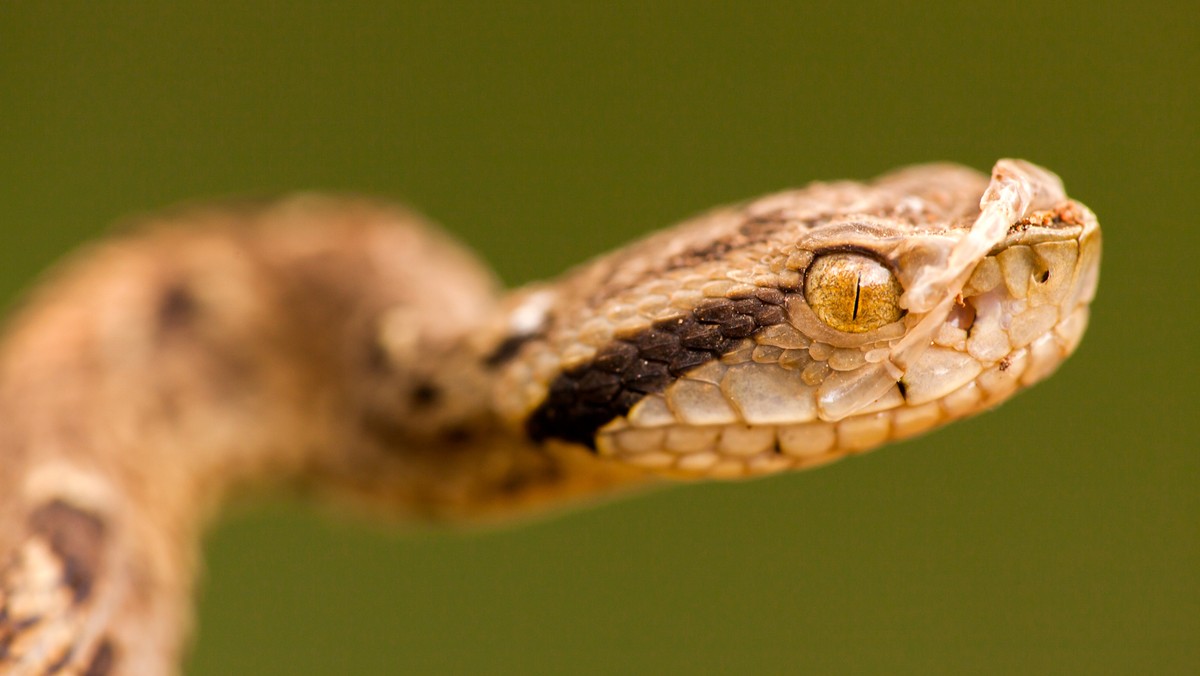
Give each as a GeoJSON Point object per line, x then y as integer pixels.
{"type": "Point", "coordinates": [349, 348]}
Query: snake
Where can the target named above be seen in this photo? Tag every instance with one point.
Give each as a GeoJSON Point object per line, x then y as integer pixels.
{"type": "Point", "coordinates": [344, 348]}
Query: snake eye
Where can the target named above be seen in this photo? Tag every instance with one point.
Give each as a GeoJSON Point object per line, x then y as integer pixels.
{"type": "Point", "coordinates": [851, 292]}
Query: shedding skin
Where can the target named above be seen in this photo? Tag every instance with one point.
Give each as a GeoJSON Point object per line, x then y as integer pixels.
{"type": "Point", "coordinates": [347, 349]}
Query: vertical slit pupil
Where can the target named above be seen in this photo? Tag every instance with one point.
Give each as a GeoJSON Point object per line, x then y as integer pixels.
{"type": "Point", "coordinates": [857, 295]}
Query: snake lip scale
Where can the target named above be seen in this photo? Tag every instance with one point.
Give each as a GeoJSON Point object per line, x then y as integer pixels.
{"type": "Point", "coordinates": [348, 349]}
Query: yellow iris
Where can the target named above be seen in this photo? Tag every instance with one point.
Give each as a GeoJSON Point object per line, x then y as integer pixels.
{"type": "Point", "coordinates": [851, 292]}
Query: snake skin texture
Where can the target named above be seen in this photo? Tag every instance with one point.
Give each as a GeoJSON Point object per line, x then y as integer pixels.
{"type": "Point", "coordinates": [351, 351]}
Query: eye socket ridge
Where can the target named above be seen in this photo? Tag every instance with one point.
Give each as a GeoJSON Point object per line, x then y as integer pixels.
{"type": "Point", "coordinates": [852, 291]}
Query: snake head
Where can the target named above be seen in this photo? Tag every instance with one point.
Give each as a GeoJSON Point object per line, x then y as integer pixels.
{"type": "Point", "coordinates": [812, 324]}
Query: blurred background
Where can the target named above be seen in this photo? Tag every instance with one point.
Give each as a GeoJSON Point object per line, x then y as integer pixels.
{"type": "Point", "coordinates": [1060, 534]}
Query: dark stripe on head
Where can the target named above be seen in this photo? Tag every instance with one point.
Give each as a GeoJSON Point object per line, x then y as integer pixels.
{"type": "Point", "coordinates": [585, 398]}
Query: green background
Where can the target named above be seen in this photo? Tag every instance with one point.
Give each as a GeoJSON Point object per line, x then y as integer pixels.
{"type": "Point", "coordinates": [1058, 535]}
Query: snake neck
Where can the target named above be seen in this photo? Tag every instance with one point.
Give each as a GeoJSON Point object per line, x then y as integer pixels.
{"type": "Point", "coordinates": [329, 345]}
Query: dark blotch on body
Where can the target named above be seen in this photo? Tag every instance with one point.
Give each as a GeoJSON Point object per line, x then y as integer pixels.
{"type": "Point", "coordinates": [424, 395]}
{"type": "Point", "coordinates": [176, 308]}
{"type": "Point", "coordinates": [103, 661]}
{"type": "Point", "coordinates": [585, 398]}
{"type": "Point", "coordinates": [6, 636]}
{"type": "Point", "coordinates": [77, 538]}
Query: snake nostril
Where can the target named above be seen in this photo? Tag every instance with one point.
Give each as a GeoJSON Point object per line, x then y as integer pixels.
{"type": "Point", "coordinates": [1044, 277]}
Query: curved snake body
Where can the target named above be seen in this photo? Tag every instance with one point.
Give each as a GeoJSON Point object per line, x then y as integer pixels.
{"type": "Point", "coordinates": [348, 348]}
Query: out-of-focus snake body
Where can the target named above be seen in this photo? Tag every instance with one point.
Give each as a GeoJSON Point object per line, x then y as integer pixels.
{"type": "Point", "coordinates": [348, 348]}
